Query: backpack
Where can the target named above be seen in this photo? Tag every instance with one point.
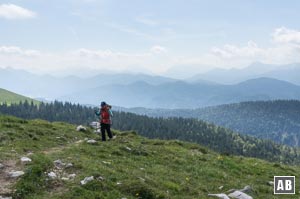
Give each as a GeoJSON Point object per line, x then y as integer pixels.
{"type": "Point", "coordinates": [105, 116]}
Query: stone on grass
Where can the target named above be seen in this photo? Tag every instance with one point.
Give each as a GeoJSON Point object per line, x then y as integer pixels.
{"type": "Point", "coordinates": [80, 128]}
{"type": "Point", "coordinates": [2, 197]}
{"type": "Point", "coordinates": [219, 195]}
{"type": "Point", "coordinates": [25, 160]}
{"type": "Point", "coordinates": [59, 164]}
{"type": "Point", "coordinates": [86, 180]}
{"type": "Point", "coordinates": [52, 175]}
{"type": "Point", "coordinates": [72, 176]}
{"type": "Point", "coordinates": [69, 165]}
{"type": "Point", "coordinates": [91, 141]}
{"type": "Point", "coordinates": [239, 195]}
{"type": "Point", "coordinates": [15, 174]}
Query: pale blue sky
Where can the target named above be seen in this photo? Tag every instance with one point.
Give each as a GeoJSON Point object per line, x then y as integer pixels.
{"type": "Point", "coordinates": [147, 36]}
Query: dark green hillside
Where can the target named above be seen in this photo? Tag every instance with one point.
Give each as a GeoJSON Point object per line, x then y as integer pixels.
{"type": "Point", "coordinates": [209, 135]}
{"type": "Point", "coordinates": [12, 98]}
{"type": "Point", "coordinates": [129, 167]}
{"type": "Point", "coordinates": [277, 120]}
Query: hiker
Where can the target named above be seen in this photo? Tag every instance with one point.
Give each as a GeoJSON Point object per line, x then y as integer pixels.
{"type": "Point", "coordinates": [105, 114]}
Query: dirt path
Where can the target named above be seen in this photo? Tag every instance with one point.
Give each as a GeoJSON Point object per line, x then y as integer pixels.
{"type": "Point", "coordinates": [5, 181]}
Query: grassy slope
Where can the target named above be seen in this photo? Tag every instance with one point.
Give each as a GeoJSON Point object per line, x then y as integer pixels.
{"type": "Point", "coordinates": [11, 98]}
{"type": "Point", "coordinates": [132, 166]}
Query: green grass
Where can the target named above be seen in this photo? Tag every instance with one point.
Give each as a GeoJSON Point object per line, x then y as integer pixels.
{"type": "Point", "coordinates": [131, 166]}
{"type": "Point", "coordinates": [13, 98]}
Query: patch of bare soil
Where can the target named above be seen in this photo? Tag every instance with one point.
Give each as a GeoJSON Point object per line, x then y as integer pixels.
{"type": "Point", "coordinates": [6, 182]}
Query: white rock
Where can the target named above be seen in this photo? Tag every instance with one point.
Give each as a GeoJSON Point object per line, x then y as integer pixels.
{"type": "Point", "coordinates": [5, 197]}
{"type": "Point", "coordinates": [220, 195]}
{"type": "Point", "coordinates": [1, 166]}
{"type": "Point", "coordinates": [100, 178]}
{"type": "Point", "coordinates": [69, 165]}
{"type": "Point", "coordinates": [80, 128]}
{"type": "Point", "coordinates": [271, 183]}
{"type": "Point", "coordinates": [221, 187]}
{"type": "Point", "coordinates": [119, 183]}
{"type": "Point", "coordinates": [86, 180]}
{"type": "Point", "coordinates": [16, 174]}
{"type": "Point", "coordinates": [239, 195]}
{"type": "Point", "coordinates": [25, 159]}
{"type": "Point", "coordinates": [104, 162]}
{"type": "Point", "coordinates": [59, 164]}
{"type": "Point", "coordinates": [65, 179]}
{"type": "Point", "coordinates": [72, 176]}
{"type": "Point", "coordinates": [91, 141]}
{"type": "Point", "coordinates": [52, 175]}
{"type": "Point", "coordinates": [129, 149]}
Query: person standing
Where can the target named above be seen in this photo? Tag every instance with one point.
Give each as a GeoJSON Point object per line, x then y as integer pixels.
{"type": "Point", "coordinates": [105, 114]}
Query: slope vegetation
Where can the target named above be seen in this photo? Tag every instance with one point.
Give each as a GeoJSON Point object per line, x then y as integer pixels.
{"type": "Point", "coordinates": [129, 167]}
{"type": "Point", "coordinates": [12, 98]}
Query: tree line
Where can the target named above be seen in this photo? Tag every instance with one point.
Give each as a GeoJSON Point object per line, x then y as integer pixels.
{"type": "Point", "coordinates": [214, 137]}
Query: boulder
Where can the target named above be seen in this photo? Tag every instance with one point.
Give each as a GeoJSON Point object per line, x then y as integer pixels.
{"type": "Point", "coordinates": [59, 164]}
{"type": "Point", "coordinates": [52, 175]}
{"type": "Point", "coordinates": [25, 160]}
{"type": "Point", "coordinates": [239, 195]}
{"type": "Point", "coordinates": [72, 176]}
{"type": "Point", "coordinates": [86, 180]}
{"type": "Point", "coordinates": [80, 128]}
{"type": "Point", "coordinates": [219, 195]}
{"type": "Point", "coordinates": [15, 174]}
{"type": "Point", "coordinates": [91, 141]}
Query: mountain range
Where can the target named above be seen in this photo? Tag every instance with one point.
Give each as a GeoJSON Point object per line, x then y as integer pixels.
{"type": "Point", "coordinates": [256, 82]}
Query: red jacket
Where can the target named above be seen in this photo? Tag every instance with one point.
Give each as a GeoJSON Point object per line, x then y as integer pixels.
{"type": "Point", "coordinates": [104, 115]}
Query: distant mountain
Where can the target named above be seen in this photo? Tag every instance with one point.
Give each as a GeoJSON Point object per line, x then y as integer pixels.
{"type": "Point", "coordinates": [289, 72]}
{"type": "Point", "coordinates": [51, 87]}
{"type": "Point", "coordinates": [185, 95]}
{"type": "Point", "coordinates": [11, 98]}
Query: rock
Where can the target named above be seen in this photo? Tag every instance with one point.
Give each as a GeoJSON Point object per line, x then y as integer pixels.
{"type": "Point", "coordinates": [104, 162]}
{"type": "Point", "coordinates": [239, 195]}
{"type": "Point", "coordinates": [246, 189]}
{"type": "Point", "coordinates": [119, 183]}
{"type": "Point", "coordinates": [100, 178]}
{"type": "Point", "coordinates": [59, 164]}
{"type": "Point", "coordinates": [221, 187]}
{"type": "Point", "coordinates": [25, 160]}
{"type": "Point", "coordinates": [16, 174]}
{"type": "Point", "coordinates": [1, 166]}
{"type": "Point", "coordinates": [52, 175]}
{"type": "Point", "coordinates": [220, 195]}
{"type": "Point", "coordinates": [65, 179]}
{"type": "Point", "coordinates": [128, 149]}
{"type": "Point", "coordinates": [72, 176]}
{"type": "Point", "coordinates": [86, 180]}
{"type": "Point", "coordinates": [271, 183]}
{"type": "Point", "coordinates": [69, 165]}
{"type": "Point", "coordinates": [91, 141]}
{"type": "Point", "coordinates": [80, 128]}
{"type": "Point", "coordinates": [5, 197]}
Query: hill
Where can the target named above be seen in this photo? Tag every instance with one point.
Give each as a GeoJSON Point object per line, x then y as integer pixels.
{"type": "Point", "coordinates": [287, 72]}
{"type": "Point", "coordinates": [215, 137]}
{"type": "Point", "coordinates": [11, 98]}
{"type": "Point", "coordinates": [186, 95]}
{"type": "Point", "coordinates": [276, 120]}
{"type": "Point", "coordinates": [130, 166]}
{"type": "Point", "coordinates": [139, 90]}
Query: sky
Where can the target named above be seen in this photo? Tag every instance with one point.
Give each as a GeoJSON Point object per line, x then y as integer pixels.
{"type": "Point", "coordinates": [177, 38]}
